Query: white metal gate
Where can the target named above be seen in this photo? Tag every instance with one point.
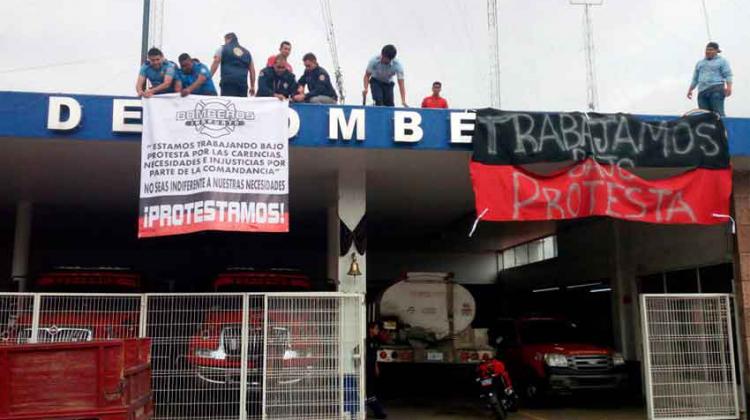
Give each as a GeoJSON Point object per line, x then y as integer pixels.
{"type": "Point", "coordinates": [689, 361]}
{"type": "Point", "coordinates": [219, 356]}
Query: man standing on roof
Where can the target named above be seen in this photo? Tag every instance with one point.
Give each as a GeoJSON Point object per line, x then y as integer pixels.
{"type": "Point", "coordinates": [195, 77]}
{"type": "Point", "coordinates": [159, 72]}
{"type": "Point", "coordinates": [435, 100]}
{"type": "Point", "coordinates": [379, 75]}
{"type": "Point", "coordinates": [318, 82]}
{"type": "Point", "coordinates": [713, 77]}
{"type": "Point", "coordinates": [236, 65]}
{"type": "Point", "coordinates": [277, 81]}
{"type": "Point", "coordinates": [284, 49]}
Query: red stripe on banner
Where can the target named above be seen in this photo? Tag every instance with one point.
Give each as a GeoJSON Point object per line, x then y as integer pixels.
{"type": "Point", "coordinates": [156, 230]}
{"type": "Point", "coordinates": [588, 188]}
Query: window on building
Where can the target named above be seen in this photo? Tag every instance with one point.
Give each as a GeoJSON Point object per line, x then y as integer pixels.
{"type": "Point", "coordinates": [707, 279]}
{"type": "Point", "coordinates": [528, 253]}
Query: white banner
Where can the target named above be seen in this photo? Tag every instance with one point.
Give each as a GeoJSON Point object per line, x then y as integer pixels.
{"type": "Point", "coordinates": [214, 163]}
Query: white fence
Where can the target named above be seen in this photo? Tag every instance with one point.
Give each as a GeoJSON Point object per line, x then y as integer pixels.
{"type": "Point", "coordinates": [689, 356]}
{"type": "Point", "coordinates": [219, 356]}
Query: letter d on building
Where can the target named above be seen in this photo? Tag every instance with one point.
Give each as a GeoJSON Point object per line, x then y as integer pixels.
{"type": "Point", "coordinates": [55, 112]}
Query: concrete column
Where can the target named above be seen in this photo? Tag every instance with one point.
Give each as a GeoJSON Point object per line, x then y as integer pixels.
{"type": "Point", "coordinates": [741, 210]}
{"type": "Point", "coordinates": [350, 207]}
{"type": "Point", "coordinates": [22, 244]}
{"type": "Point", "coordinates": [624, 291]}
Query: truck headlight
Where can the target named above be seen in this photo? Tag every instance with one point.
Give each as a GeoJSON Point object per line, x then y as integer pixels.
{"type": "Point", "coordinates": [618, 359]}
{"type": "Point", "coordinates": [211, 354]}
{"type": "Point", "coordinates": [555, 360]}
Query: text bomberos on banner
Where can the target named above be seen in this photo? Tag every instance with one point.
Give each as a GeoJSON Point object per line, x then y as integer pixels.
{"type": "Point", "coordinates": [211, 163]}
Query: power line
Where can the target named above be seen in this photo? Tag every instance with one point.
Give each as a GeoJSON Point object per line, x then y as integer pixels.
{"type": "Point", "coordinates": [53, 65]}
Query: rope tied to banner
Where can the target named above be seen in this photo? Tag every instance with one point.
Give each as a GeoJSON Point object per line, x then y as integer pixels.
{"type": "Point", "coordinates": [476, 222]}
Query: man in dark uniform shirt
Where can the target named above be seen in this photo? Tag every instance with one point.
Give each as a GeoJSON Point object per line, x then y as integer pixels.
{"type": "Point", "coordinates": [371, 370]}
{"type": "Point", "coordinates": [318, 82]}
{"type": "Point", "coordinates": [277, 81]}
{"type": "Point", "coordinates": [236, 64]}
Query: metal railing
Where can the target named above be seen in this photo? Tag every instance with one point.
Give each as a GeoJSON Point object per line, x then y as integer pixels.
{"type": "Point", "coordinates": [689, 356]}
{"type": "Point", "coordinates": [219, 355]}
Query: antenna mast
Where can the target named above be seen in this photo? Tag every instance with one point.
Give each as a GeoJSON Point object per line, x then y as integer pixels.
{"type": "Point", "coordinates": [592, 96]}
{"type": "Point", "coordinates": [156, 19]}
{"type": "Point", "coordinates": [494, 53]}
{"type": "Point", "coordinates": [325, 7]}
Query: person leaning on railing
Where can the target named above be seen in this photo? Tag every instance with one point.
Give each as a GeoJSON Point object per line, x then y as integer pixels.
{"type": "Point", "coordinates": [160, 73]}
{"type": "Point", "coordinates": [195, 77]}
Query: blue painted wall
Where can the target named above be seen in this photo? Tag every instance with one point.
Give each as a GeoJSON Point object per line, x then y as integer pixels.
{"type": "Point", "coordinates": [24, 114]}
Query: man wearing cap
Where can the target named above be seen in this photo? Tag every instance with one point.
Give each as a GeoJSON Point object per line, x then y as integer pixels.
{"type": "Point", "coordinates": [713, 77]}
{"type": "Point", "coordinates": [236, 64]}
{"type": "Point", "coordinates": [379, 74]}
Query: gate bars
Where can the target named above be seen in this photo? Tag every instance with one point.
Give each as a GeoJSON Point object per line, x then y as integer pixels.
{"type": "Point", "coordinates": [219, 355]}
{"type": "Point", "coordinates": [689, 356]}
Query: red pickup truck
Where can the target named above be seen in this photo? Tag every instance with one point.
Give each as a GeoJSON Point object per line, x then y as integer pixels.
{"type": "Point", "coordinates": [214, 351]}
{"type": "Point", "coordinates": [549, 355]}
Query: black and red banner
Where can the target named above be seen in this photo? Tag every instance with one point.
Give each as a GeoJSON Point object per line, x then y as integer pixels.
{"type": "Point", "coordinates": [592, 189]}
{"type": "Point", "coordinates": [517, 138]}
{"type": "Point", "coordinates": [604, 151]}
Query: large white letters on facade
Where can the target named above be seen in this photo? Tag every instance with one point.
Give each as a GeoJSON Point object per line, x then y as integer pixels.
{"type": "Point", "coordinates": [56, 105]}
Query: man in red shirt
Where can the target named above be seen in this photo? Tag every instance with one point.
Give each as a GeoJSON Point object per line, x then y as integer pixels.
{"type": "Point", "coordinates": [434, 100]}
{"type": "Point", "coordinates": [284, 49]}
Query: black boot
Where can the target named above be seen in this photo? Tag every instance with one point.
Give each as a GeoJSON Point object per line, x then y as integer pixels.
{"type": "Point", "coordinates": [376, 407]}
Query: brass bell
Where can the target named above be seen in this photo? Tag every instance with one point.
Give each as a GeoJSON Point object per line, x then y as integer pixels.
{"type": "Point", "coordinates": [354, 267]}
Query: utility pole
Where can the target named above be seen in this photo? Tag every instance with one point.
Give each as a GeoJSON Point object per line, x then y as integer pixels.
{"type": "Point", "coordinates": [592, 96]}
{"type": "Point", "coordinates": [325, 7]}
{"type": "Point", "coordinates": [494, 53]}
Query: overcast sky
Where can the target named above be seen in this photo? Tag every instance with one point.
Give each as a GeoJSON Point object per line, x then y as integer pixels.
{"type": "Point", "coordinates": [645, 49]}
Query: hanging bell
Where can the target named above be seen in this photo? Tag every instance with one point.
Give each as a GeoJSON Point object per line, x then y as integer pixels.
{"type": "Point", "coordinates": [354, 267]}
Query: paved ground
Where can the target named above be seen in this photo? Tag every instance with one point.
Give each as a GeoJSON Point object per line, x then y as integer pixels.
{"type": "Point", "coordinates": [464, 409]}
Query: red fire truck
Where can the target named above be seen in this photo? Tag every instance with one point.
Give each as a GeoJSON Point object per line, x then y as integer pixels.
{"type": "Point", "coordinates": [79, 318]}
{"type": "Point", "coordinates": [215, 351]}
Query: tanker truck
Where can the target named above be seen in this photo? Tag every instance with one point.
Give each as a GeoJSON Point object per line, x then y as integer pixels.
{"type": "Point", "coordinates": [426, 318]}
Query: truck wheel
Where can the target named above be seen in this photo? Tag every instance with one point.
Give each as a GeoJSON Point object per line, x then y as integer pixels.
{"type": "Point", "coordinates": [531, 392]}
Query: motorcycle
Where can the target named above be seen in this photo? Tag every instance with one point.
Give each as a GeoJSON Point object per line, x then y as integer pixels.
{"type": "Point", "coordinates": [496, 388]}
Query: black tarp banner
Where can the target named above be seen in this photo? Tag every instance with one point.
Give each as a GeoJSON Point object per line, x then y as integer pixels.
{"type": "Point", "coordinates": [516, 138]}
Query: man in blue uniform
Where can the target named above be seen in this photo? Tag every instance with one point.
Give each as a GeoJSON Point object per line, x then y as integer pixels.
{"type": "Point", "coordinates": [277, 81]}
{"type": "Point", "coordinates": [195, 77]}
{"type": "Point", "coordinates": [379, 74]}
{"type": "Point", "coordinates": [160, 74]}
{"type": "Point", "coordinates": [713, 77]}
{"type": "Point", "coordinates": [318, 82]}
{"type": "Point", "coordinates": [236, 64]}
